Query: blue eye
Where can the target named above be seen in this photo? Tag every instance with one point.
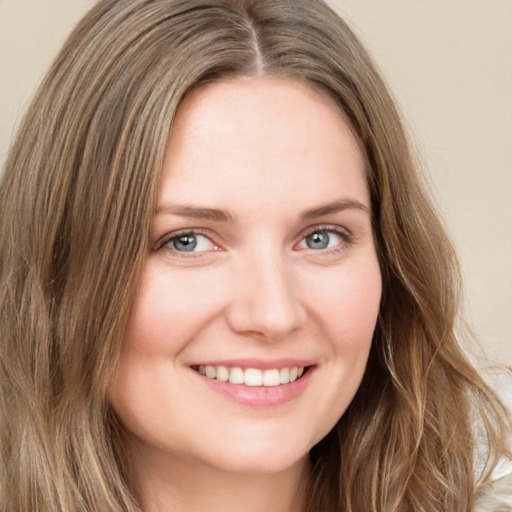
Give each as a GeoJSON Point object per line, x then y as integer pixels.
{"type": "Point", "coordinates": [190, 242]}
{"type": "Point", "coordinates": [322, 239]}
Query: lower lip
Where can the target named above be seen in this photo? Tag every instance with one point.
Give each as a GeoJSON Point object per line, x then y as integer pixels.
{"type": "Point", "coordinates": [262, 396]}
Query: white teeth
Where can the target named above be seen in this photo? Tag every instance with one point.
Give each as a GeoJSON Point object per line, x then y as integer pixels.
{"type": "Point", "coordinates": [236, 376]}
{"type": "Point", "coordinates": [271, 378]}
{"type": "Point", "coordinates": [252, 376]}
{"type": "Point", "coordinates": [222, 373]}
{"type": "Point", "coordinates": [284, 375]}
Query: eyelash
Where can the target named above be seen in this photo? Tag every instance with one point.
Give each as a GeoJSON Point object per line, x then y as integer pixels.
{"type": "Point", "coordinates": [344, 234]}
{"type": "Point", "coordinates": [164, 244]}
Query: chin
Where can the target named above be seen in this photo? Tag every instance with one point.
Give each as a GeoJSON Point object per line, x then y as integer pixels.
{"type": "Point", "coordinates": [256, 464]}
{"type": "Point", "coordinates": [257, 455]}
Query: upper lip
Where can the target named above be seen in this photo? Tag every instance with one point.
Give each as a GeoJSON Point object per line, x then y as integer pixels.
{"type": "Point", "coordinates": [261, 364]}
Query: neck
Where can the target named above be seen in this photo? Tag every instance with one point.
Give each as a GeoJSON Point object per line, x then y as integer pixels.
{"type": "Point", "coordinates": [187, 486]}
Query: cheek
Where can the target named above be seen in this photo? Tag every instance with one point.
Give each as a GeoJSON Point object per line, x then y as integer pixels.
{"type": "Point", "coordinates": [168, 310]}
{"type": "Point", "coordinates": [348, 304]}
{"type": "Point", "coordinates": [166, 316]}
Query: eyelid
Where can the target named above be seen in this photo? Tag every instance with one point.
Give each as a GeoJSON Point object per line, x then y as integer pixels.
{"type": "Point", "coordinates": [333, 228]}
{"type": "Point", "coordinates": [341, 231]}
{"type": "Point", "coordinates": [161, 243]}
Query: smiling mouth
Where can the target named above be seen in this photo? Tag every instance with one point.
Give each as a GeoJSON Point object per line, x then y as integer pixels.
{"type": "Point", "coordinates": [253, 377]}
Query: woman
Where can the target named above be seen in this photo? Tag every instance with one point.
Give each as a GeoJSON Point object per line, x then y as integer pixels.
{"type": "Point", "coordinates": [223, 282]}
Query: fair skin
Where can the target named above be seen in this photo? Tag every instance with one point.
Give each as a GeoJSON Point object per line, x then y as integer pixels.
{"type": "Point", "coordinates": [262, 263]}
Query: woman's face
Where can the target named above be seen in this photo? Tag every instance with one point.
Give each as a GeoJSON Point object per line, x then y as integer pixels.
{"type": "Point", "coordinates": [263, 267]}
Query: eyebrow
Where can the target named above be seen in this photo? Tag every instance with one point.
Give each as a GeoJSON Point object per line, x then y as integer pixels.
{"type": "Point", "coordinates": [335, 207]}
{"type": "Point", "coordinates": [218, 215]}
{"type": "Point", "coordinates": [198, 212]}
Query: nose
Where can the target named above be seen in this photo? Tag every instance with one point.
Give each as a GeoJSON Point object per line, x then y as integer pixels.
{"type": "Point", "coordinates": [266, 301]}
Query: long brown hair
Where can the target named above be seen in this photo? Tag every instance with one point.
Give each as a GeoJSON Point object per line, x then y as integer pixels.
{"type": "Point", "coordinates": [77, 200]}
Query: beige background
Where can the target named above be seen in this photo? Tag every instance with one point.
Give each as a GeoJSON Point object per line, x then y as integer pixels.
{"type": "Point", "coordinates": [450, 65]}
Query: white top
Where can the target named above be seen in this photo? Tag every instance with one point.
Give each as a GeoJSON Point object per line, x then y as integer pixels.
{"type": "Point", "coordinates": [498, 497]}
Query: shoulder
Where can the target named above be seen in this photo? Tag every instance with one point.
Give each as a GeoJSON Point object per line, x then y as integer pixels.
{"type": "Point", "coordinates": [497, 494]}
{"type": "Point", "coordinates": [497, 497]}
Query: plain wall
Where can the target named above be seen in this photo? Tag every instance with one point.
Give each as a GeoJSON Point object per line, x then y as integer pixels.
{"type": "Point", "coordinates": [449, 64]}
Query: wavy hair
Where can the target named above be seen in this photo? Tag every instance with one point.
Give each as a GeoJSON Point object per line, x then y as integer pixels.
{"type": "Point", "coordinates": [77, 201]}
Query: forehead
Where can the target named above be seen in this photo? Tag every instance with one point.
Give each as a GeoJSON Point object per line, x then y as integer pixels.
{"type": "Point", "coordinates": [247, 133]}
{"type": "Point", "coordinates": [231, 103]}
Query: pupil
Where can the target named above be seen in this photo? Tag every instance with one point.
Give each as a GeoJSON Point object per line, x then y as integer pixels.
{"type": "Point", "coordinates": [319, 240]}
{"type": "Point", "coordinates": [186, 243]}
